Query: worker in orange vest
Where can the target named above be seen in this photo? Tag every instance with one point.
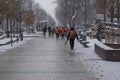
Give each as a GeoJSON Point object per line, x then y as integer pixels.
{"type": "Point", "coordinates": [71, 37]}
{"type": "Point", "coordinates": [57, 32]}
{"type": "Point", "coordinates": [62, 32]}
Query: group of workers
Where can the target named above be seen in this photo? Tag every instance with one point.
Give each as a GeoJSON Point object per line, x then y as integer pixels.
{"type": "Point", "coordinates": [62, 32]}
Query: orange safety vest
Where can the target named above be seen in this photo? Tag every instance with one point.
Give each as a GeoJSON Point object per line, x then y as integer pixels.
{"type": "Point", "coordinates": [72, 33]}
{"type": "Point", "coordinates": [57, 30]}
{"type": "Point", "coordinates": [63, 31]}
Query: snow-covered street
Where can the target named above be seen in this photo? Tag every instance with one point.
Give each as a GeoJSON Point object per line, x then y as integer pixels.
{"type": "Point", "coordinates": [59, 39]}
{"type": "Point", "coordinates": [103, 70]}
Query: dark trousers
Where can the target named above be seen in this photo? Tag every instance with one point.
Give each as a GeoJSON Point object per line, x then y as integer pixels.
{"type": "Point", "coordinates": [44, 33]}
{"type": "Point", "coordinates": [49, 33]}
{"type": "Point", "coordinates": [62, 36]}
{"type": "Point", "coordinates": [52, 33]}
{"type": "Point", "coordinates": [72, 43]}
{"type": "Point", "coordinates": [57, 35]}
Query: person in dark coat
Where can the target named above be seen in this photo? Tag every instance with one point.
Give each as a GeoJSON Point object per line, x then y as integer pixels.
{"type": "Point", "coordinates": [44, 31]}
{"type": "Point", "coordinates": [49, 31]}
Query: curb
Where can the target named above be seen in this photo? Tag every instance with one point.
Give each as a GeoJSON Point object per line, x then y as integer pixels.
{"type": "Point", "coordinates": [9, 42]}
{"type": "Point", "coordinates": [3, 36]}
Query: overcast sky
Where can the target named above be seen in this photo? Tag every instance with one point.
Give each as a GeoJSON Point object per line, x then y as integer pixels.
{"type": "Point", "coordinates": [49, 6]}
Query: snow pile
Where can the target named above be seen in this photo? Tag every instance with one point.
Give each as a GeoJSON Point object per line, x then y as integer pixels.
{"type": "Point", "coordinates": [36, 34]}
{"type": "Point", "coordinates": [3, 36]}
{"type": "Point", "coordinates": [15, 44]}
{"type": "Point", "coordinates": [3, 41]}
{"type": "Point", "coordinates": [102, 45]}
{"type": "Point", "coordinates": [101, 69]}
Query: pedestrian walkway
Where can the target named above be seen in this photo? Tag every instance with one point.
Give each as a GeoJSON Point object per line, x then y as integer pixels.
{"type": "Point", "coordinates": [42, 59]}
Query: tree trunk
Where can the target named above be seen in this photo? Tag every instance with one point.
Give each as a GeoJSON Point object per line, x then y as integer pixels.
{"type": "Point", "coordinates": [7, 29]}
{"type": "Point", "coordinates": [11, 32]}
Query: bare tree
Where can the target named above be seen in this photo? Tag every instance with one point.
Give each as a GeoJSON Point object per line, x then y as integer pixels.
{"type": "Point", "coordinates": [74, 12]}
{"type": "Point", "coordinates": [68, 11]}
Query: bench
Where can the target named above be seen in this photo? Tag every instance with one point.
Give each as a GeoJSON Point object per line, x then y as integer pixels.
{"type": "Point", "coordinates": [80, 40]}
{"type": "Point", "coordinates": [83, 41]}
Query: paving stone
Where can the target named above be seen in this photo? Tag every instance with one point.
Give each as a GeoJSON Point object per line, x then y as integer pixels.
{"type": "Point", "coordinates": [42, 59]}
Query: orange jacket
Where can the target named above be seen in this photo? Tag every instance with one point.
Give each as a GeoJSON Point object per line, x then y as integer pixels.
{"type": "Point", "coordinates": [72, 32]}
{"type": "Point", "coordinates": [56, 30]}
{"type": "Point", "coordinates": [63, 30]}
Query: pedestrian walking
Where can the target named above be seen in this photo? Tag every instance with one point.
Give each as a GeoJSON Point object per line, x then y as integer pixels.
{"type": "Point", "coordinates": [44, 31]}
{"type": "Point", "coordinates": [66, 31]}
{"type": "Point", "coordinates": [52, 31]}
{"type": "Point", "coordinates": [49, 31]}
{"type": "Point", "coordinates": [57, 32]}
{"type": "Point", "coordinates": [62, 32]}
{"type": "Point", "coordinates": [71, 37]}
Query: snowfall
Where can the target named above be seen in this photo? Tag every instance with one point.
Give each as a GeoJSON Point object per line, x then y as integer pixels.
{"type": "Point", "coordinates": [101, 69]}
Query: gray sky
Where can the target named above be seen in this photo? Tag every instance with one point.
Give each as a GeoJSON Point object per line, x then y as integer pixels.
{"type": "Point", "coordinates": [48, 6]}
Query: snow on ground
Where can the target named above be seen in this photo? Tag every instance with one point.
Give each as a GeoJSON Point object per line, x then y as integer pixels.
{"type": "Point", "coordinates": [15, 44]}
{"type": "Point", "coordinates": [2, 36]}
{"type": "Point", "coordinates": [39, 34]}
{"type": "Point", "coordinates": [101, 69]}
{"type": "Point", "coordinates": [3, 41]}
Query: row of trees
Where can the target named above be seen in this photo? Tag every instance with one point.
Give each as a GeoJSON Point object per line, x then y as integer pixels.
{"type": "Point", "coordinates": [84, 11]}
{"type": "Point", "coordinates": [111, 11]}
{"type": "Point", "coordinates": [74, 12]}
{"type": "Point", "coordinates": [16, 13]}
{"type": "Point", "coordinates": [88, 12]}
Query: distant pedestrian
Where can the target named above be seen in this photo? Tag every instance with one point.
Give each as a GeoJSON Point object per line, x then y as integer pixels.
{"type": "Point", "coordinates": [49, 31]}
{"type": "Point", "coordinates": [62, 32]}
{"type": "Point", "coordinates": [66, 31]}
{"type": "Point", "coordinates": [71, 37]}
{"type": "Point", "coordinates": [44, 31]}
{"type": "Point", "coordinates": [57, 32]}
{"type": "Point", "coordinates": [52, 31]}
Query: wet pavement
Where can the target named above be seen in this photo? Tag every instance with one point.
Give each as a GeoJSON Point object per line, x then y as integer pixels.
{"type": "Point", "coordinates": [42, 59]}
